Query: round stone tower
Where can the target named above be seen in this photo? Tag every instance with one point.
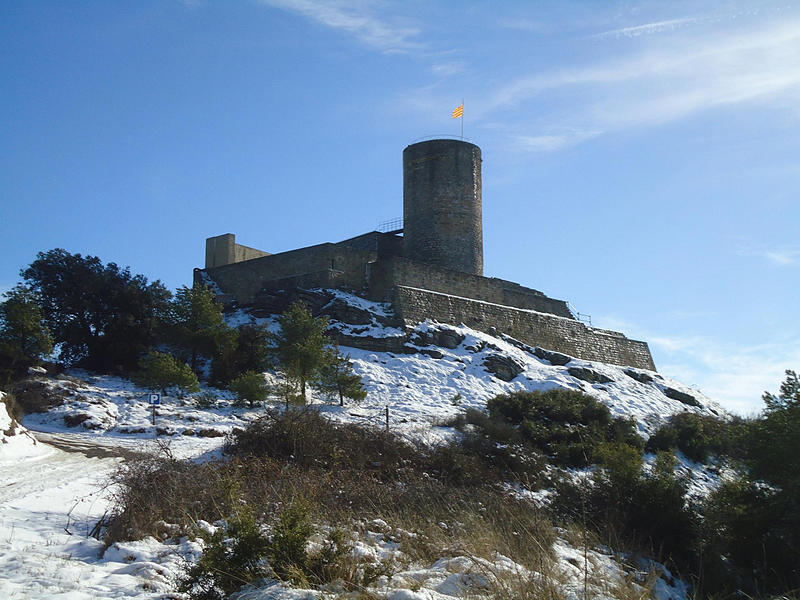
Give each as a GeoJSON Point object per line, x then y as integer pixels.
{"type": "Point", "coordinates": [442, 223]}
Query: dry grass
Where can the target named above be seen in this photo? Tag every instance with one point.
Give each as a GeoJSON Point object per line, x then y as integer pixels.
{"type": "Point", "coordinates": [350, 476]}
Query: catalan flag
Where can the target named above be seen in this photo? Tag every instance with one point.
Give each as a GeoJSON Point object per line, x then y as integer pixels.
{"type": "Point", "coordinates": [459, 111]}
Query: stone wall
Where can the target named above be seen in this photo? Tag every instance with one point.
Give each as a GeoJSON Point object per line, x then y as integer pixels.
{"type": "Point", "coordinates": [535, 328]}
{"type": "Point", "coordinates": [385, 274]}
{"type": "Point", "coordinates": [324, 265]}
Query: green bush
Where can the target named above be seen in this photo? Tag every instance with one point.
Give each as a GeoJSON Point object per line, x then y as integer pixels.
{"type": "Point", "coordinates": [697, 436]}
{"type": "Point", "coordinates": [232, 558]}
{"type": "Point", "coordinates": [752, 541]}
{"type": "Point", "coordinates": [634, 508]}
{"type": "Point", "coordinates": [287, 551]}
{"type": "Point", "coordinates": [566, 425]}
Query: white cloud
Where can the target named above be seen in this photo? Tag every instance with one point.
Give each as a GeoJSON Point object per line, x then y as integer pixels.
{"type": "Point", "coordinates": [357, 19]}
{"type": "Point", "coordinates": [556, 141]}
{"type": "Point", "coordinates": [446, 69]}
{"type": "Point", "coordinates": [660, 81]}
{"type": "Point", "coordinates": [781, 257]}
{"type": "Point", "coordinates": [735, 376]}
{"type": "Point", "coordinates": [649, 28]}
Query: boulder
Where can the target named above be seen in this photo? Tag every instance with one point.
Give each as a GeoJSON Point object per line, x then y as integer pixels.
{"type": "Point", "coordinates": [683, 397]}
{"type": "Point", "coordinates": [638, 376]}
{"type": "Point", "coordinates": [395, 343]}
{"type": "Point", "coordinates": [502, 366]}
{"type": "Point", "coordinates": [446, 338]}
{"type": "Point", "coordinates": [554, 358]}
{"type": "Point", "coordinates": [347, 313]}
{"type": "Point", "coordinates": [589, 375]}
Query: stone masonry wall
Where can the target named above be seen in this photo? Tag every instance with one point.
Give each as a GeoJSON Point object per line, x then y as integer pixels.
{"type": "Point", "coordinates": [537, 329]}
{"type": "Point", "coordinates": [245, 279]}
{"type": "Point", "coordinates": [385, 274]}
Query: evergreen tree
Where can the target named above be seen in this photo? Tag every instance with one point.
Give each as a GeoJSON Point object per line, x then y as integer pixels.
{"type": "Point", "coordinates": [196, 325]}
{"type": "Point", "coordinates": [102, 316]}
{"type": "Point", "coordinates": [247, 350]}
{"type": "Point", "coordinates": [753, 522]}
{"type": "Point", "coordinates": [160, 371]}
{"type": "Point", "coordinates": [250, 387]}
{"type": "Point", "coordinates": [300, 347]}
{"type": "Point", "coordinates": [337, 378]}
{"type": "Point", "coordinates": [24, 339]}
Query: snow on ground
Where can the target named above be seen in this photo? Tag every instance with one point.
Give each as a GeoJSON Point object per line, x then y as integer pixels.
{"type": "Point", "coordinates": [49, 502]}
{"type": "Point", "coordinates": [50, 499]}
{"type": "Point", "coordinates": [422, 389]}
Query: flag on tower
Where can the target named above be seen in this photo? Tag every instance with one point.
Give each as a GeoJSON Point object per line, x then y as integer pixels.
{"type": "Point", "coordinates": [459, 111]}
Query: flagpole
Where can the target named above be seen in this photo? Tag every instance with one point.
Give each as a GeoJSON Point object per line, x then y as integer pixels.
{"type": "Point", "coordinates": [462, 119]}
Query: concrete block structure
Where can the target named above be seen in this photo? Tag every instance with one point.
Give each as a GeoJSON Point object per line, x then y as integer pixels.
{"type": "Point", "coordinates": [434, 270]}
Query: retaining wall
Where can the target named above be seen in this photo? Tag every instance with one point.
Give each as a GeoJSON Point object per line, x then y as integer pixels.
{"type": "Point", "coordinates": [385, 274]}
{"type": "Point", "coordinates": [535, 328]}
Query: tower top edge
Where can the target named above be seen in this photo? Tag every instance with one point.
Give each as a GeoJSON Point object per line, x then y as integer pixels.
{"type": "Point", "coordinates": [442, 142]}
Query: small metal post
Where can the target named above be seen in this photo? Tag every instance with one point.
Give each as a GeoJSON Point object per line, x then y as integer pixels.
{"type": "Point", "coordinates": [387, 417]}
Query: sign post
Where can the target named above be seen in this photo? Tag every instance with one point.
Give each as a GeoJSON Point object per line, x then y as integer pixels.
{"type": "Point", "coordinates": [155, 400]}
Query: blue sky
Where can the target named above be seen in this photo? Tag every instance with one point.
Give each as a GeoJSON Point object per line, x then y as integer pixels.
{"type": "Point", "coordinates": [640, 159]}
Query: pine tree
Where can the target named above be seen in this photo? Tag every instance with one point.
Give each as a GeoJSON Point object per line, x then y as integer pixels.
{"type": "Point", "coordinates": [159, 371]}
{"type": "Point", "coordinates": [196, 325]}
{"type": "Point", "coordinates": [300, 347]}
{"type": "Point", "coordinates": [337, 378]}
{"type": "Point", "coordinates": [250, 387]}
{"type": "Point", "coordinates": [24, 339]}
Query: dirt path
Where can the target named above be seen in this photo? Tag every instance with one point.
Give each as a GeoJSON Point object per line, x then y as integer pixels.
{"type": "Point", "coordinates": [89, 448]}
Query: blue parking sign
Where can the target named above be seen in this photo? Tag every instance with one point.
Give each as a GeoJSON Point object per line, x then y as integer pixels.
{"type": "Point", "coordinates": [155, 398]}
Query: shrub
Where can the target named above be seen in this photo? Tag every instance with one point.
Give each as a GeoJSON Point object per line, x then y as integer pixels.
{"type": "Point", "coordinates": [697, 436]}
{"type": "Point", "coordinates": [634, 508]}
{"type": "Point", "coordinates": [231, 559]}
{"type": "Point", "coordinates": [287, 552]}
{"type": "Point", "coordinates": [206, 399]}
{"type": "Point", "coordinates": [566, 425]}
{"type": "Point", "coordinates": [308, 439]}
{"type": "Point", "coordinates": [752, 543]}
{"type": "Point", "coordinates": [752, 532]}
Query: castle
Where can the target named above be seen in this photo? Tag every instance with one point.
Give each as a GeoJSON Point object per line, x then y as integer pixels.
{"type": "Point", "coordinates": [434, 270]}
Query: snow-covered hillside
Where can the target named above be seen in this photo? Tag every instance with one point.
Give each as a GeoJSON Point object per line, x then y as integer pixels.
{"type": "Point", "coordinates": [50, 498]}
